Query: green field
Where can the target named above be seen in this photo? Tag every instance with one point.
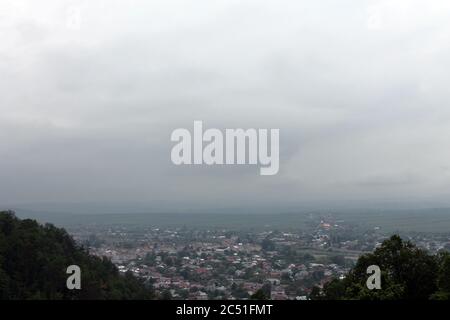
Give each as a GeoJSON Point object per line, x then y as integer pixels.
{"type": "Point", "coordinates": [427, 220]}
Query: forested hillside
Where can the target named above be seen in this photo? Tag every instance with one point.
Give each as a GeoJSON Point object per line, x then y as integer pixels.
{"type": "Point", "coordinates": [407, 272]}
{"type": "Point", "coordinates": [34, 259]}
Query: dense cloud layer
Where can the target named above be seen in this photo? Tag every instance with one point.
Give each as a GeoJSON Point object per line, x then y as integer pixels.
{"type": "Point", "coordinates": [91, 90]}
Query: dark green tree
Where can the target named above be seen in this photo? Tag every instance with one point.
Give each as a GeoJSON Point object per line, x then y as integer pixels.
{"type": "Point", "coordinates": [259, 295]}
{"type": "Point", "coordinates": [34, 259]}
{"type": "Point", "coordinates": [407, 272]}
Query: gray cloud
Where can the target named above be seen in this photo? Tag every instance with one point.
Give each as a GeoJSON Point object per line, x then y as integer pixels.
{"type": "Point", "coordinates": [358, 90]}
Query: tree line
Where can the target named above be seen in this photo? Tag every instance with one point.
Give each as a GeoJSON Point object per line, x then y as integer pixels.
{"type": "Point", "coordinates": [34, 259]}
{"type": "Point", "coordinates": [407, 272]}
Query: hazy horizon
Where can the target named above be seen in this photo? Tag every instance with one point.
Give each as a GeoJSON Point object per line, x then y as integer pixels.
{"type": "Point", "coordinates": [158, 208]}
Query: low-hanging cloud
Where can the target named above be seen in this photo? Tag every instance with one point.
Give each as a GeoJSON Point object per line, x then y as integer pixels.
{"type": "Point", "coordinates": [90, 92]}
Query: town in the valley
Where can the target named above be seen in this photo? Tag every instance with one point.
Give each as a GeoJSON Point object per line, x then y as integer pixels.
{"type": "Point", "coordinates": [185, 262]}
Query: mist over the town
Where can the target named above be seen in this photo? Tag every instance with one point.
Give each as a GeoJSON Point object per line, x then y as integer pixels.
{"type": "Point", "coordinates": [225, 158]}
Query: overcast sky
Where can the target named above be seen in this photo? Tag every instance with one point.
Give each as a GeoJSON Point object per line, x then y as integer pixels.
{"type": "Point", "coordinates": [90, 92]}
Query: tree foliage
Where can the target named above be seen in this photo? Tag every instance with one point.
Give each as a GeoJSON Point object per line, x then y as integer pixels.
{"type": "Point", "coordinates": [34, 259]}
{"type": "Point", "coordinates": [407, 272]}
